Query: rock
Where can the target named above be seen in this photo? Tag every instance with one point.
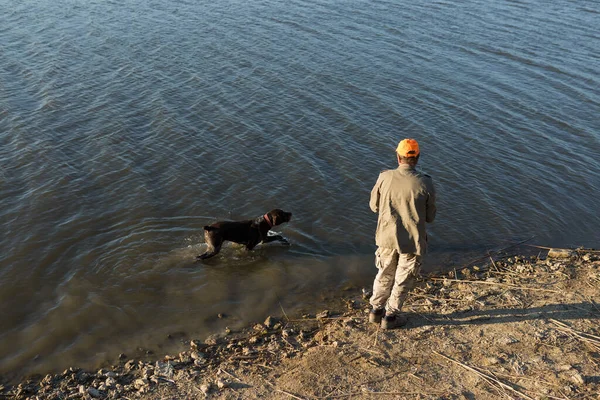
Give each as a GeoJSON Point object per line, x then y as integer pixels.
{"type": "Point", "coordinates": [323, 314]}
{"type": "Point", "coordinates": [205, 388]}
{"type": "Point", "coordinates": [198, 345]}
{"type": "Point", "coordinates": [492, 361]}
{"type": "Point", "coordinates": [564, 367]}
{"type": "Point", "coordinates": [509, 340]}
{"type": "Point", "coordinates": [164, 369]}
{"type": "Point", "coordinates": [270, 322]}
{"type": "Point", "coordinates": [274, 346]}
{"type": "Point", "coordinates": [577, 378]}
{"type": "Point", "coordinates": [222, 383]}
{"type": "Point", "coordinates": [185, 357]}
{"type": "Point", "coordinates": [254, 340]}
{"type": "Point", "coordinates": [589, 257]}
{"type": "Point", "coordinates": [147, 372]}
{"type": "Point", "coordinates": [130, 365]}
{"type": "Point", "coordinates": [196, 355]}
{"type": "Point", "coordinates": [248, 351]}
{"type": "Point", "coordinates": [561, 253]}
{"type": "Point", "coordinates": [212, 340]}
{"type": "Point", "coordinates": [140, 384]}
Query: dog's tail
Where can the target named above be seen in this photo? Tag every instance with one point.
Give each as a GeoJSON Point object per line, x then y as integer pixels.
{"type": "Point", "coordinates": [209, 228]}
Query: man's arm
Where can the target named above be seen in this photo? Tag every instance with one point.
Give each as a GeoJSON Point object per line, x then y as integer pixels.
{"type": "Point", "coordinates": [374, 202]}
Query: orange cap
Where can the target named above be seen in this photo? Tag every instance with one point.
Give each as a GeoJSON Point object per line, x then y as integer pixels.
{"type": "Point", "coordinates": [408, 148]}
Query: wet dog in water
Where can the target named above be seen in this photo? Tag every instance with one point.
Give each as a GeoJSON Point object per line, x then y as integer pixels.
{"type": "Point", "coordinates": [249, 233]}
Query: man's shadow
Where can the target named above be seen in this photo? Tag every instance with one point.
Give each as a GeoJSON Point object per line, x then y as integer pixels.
{"type": "Point", "coordinates": [559, 312]}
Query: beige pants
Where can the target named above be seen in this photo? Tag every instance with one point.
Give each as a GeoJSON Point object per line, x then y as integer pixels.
{"type": "Point", "coordinates": [396, 277]}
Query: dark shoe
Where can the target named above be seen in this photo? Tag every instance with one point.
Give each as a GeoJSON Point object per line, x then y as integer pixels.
{"type": "Point", "coordinates": [375, 315]}
{"type": "Point", "coordinates": [393, 321]}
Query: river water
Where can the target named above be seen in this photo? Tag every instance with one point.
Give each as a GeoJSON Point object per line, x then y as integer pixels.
{"type": "Point", "coordinates": [125, 126]}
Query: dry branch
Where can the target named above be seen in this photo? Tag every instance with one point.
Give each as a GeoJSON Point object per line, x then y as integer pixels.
{"type": "Point", "coordinates": [490, 379]}
{"type": "Point", "coordinates": [508, 285]}
{"type": "Point", "coordinates": [283, 391]}
{"type": "Point", "coordinates": [592, 340]}
{"type": "Point", "coordinates": [555, 248]}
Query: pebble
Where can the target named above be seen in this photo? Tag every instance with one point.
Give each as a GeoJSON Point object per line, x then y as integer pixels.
{"type": "Point", "coordinates": [222, 383]}
{"type": "Point", "coordinates": [110, 382]}
{"type": "Point", "coordinates": [205, 388]}
{"type": "Point", "coordinates": [493, 360]}
{"type": "Point", "coordinates": [577, 378]}
{"type": "Point", "coordinates": [270, 322]}
{"type": "Point", "coordinates": [509, 340]}
{"type": "Point", "coordinates": [564, 367]}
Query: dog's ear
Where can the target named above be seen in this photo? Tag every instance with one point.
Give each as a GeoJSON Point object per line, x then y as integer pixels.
{"type": "Point", "coordinates": [275, 219]}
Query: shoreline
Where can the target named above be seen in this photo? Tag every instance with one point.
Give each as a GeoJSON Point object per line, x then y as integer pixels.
{"type": "Point", "coordinates": [518, 326]}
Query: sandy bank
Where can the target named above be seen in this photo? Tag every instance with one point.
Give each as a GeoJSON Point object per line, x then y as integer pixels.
{"type": "Point", "coordinates": [512, 327]}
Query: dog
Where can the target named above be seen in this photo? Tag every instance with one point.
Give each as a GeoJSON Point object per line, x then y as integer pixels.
{"type": "Point", "coordinates": [249, 233]}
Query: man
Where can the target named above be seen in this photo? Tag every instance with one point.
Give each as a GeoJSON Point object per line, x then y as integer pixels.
{"type": "Point", "coordinates": [405, 201]}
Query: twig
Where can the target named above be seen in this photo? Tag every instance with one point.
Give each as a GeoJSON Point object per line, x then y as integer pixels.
{"type": "Point", "coordinates": [498, 251]}
{"type": "Point", "coordinates": [386, 377]}
{"type": "Point", "coordinates": [372, 351]}
{"type": "Point", "coordinates": [508, 285]}
{"type": "Point", "coordinates": [555, 248]}
{"type": "Point", "coordinates": [231, 375]}
{"type": "Point", "coordinates": [283, 391]}
{"type": "Point", "coordinates": [249, 357]}
{"type": "Point", "coordinates": [283, 311]}
{"type": "Point", "coordinates": [494, 264]}
{"type": "Point", "coordinates": [565, 326]}
{"type": "Point", "coordinates": [592, 340]}
{"type": "Point", "coordinates": [490, 379]}
{"type": "Point", "coordinates": [316, 319]}
{"type": "Point", "coordinates": [369, 392]}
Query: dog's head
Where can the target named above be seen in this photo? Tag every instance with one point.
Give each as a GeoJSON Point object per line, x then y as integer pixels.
{"type": "Point", "coordinates": [278, 216]}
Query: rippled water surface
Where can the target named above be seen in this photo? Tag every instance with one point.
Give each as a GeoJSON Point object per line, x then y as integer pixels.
{"type": "Point", "coordinates": [127, 126]}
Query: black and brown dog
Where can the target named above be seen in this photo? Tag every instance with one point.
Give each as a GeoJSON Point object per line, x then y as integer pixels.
{"type": "Point", "coordinates": [249, 233]}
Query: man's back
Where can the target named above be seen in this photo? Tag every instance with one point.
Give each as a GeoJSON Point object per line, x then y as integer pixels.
{"type": "Point", "coordinates": [405, 201]}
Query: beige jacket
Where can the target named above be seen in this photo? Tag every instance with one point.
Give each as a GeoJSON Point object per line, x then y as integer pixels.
{"type": "Point", "coordinates": [405, 200]}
